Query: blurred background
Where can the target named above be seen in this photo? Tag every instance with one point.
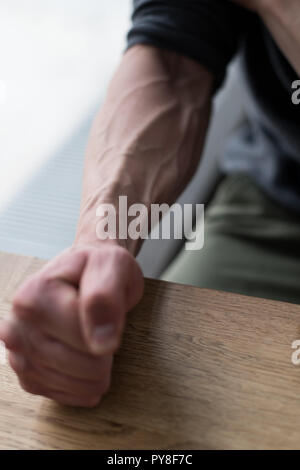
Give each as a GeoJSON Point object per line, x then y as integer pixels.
{"type": "Point", "coordinates": [56, 58]}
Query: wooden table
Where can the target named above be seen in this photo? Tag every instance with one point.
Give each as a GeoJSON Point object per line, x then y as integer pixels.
{"type": "Point", "coordinates": [197, 369]}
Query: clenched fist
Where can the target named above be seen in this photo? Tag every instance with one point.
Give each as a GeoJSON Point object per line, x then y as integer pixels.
{"type": "Point", "coordinates": [67, 323]}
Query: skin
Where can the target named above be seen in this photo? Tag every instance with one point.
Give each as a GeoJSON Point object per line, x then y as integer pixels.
{"type": "Point", "coordinates": [67, 320]}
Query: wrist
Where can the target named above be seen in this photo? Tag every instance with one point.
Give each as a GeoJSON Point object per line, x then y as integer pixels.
{"type": "Point", "coordinates": [106, 225]}
{"type": "Point", "coordinates": [85, 241]}
{"type": "Point", "coordinates": [86, 238]}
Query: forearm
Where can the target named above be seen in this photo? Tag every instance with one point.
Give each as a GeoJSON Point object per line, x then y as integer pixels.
{"type": "Point", "coordinates": [146, 141]}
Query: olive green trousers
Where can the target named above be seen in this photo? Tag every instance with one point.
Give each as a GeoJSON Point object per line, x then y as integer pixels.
{"type": "Point", "coordinates": [252, 246]}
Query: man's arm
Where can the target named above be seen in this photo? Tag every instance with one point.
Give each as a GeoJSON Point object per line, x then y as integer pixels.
{"type": "Point", "coordinates": [147, 139]}
{"type": "Point", "coordinates": [145, 143]}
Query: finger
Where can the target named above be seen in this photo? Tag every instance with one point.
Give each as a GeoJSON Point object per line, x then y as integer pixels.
{"type": "Point", "coordinates": [53, 308]}
{"type": "Point", "coordinates": [11, 335]}
{"type": "Point", "coordinates": [54, 290]}
{"type": "Point", "coordinates": [103, 301]}
{"type": "Point", "coordinates": [53, 381]}
{"type": "Point", "coordinates": [17, 362]}
{"type": "Point", "coordinates": [46, 352]}
{"type": "Point", "coordinates": [67, 266]}
{"type": "Point", "coordinates": [60, 397]}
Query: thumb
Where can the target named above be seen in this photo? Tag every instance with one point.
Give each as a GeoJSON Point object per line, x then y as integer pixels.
{"type": "Point", "coordinates": [102, 303]}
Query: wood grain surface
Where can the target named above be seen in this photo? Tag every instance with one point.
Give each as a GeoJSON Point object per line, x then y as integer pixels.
{"type": "Point", "coordinates": [197, 369]}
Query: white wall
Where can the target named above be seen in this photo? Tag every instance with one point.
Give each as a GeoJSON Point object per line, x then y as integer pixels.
{"type": "Point", "coordinates": [56, 57]}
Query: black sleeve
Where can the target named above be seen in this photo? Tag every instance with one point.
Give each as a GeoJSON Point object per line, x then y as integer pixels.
{"type": "Point", "coordinates": [207, 31]}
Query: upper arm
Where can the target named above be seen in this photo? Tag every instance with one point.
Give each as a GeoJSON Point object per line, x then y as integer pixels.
{"type": "Point", "coordinates": [207, 31]}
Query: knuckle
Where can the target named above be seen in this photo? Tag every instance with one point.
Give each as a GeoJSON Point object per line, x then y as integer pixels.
{"type": "Point", "coordinates": [21, 309]}
{"type": "Point", "coordinates": [122, 259]}
{"type": "Point", "coordinates": [27, 386]}
{"type": "Point", "coordinates": [10, 335]}
{"type": "Point", "coordinates": [48, 284]}
{"type": "Point", "coordinates": [112, 258]}
{"type": "Point", "coordinates": [18, 363]}
{"type": "Point", "coordinates": [121, 254]}
{"type": "Point", "coordinates": [71, 303]}
{"type": "Point", "coordinates": [26, 297]}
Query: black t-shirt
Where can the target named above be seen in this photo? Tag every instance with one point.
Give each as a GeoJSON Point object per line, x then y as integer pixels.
{"type": "Point", "coordinates": [211, 32]}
